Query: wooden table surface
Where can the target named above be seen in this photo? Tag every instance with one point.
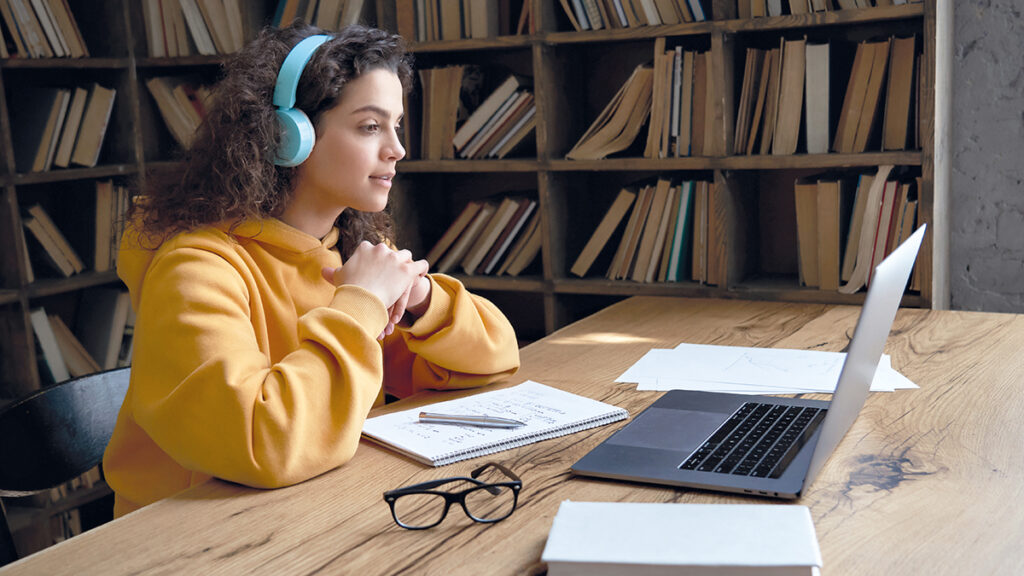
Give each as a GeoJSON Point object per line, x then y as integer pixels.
{"type": "Point", "coordinates": [927, 481]}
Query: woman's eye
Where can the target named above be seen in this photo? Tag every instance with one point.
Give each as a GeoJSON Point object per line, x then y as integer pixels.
{"type": "Point", "coordinates": [371, 128]}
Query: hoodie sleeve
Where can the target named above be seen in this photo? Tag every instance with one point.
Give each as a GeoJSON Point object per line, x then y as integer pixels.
{"type": "Point", "coordinates": [207, 394]}
{"type": "Point", "coordinates": [461, 341]}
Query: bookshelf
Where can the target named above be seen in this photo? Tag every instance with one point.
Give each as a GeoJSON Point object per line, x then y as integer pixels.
{"type": "Point", "coordinates": [576, 73]}
{"type": "Point", "coordinates": [137, 141]}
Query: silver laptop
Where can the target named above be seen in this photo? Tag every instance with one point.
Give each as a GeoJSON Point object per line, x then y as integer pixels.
{"type": "Point", "coordinates": [769, 446]}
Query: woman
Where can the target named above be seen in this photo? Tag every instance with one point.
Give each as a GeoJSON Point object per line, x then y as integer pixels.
{"type": "Point", "coordinates": [258, 352]}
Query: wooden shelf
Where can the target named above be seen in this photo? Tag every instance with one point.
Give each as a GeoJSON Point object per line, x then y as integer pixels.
{"type": "Point", "coordinates": [571, 87]}
{"type": "Point", "coordinates": [64, 63]}
{"type": "Point", "coordinates": [469, 166]}
{"type": "Point", "coordinates": [69, 174]}
{"type": "Point", "coordinates": [50, 287]}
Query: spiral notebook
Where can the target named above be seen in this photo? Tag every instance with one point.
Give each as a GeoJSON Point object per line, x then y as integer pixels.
{"type": "Point", "coordinates": [547, 412]}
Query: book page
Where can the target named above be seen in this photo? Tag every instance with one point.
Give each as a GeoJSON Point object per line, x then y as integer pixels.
{"type": "Point", "coordinates": [547, 412]}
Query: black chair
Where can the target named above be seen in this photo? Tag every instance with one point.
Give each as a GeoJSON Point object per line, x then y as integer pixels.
{"type": "Point", "coordinates": [54, 435]}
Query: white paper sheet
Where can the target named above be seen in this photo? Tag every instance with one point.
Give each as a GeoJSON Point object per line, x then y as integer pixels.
{"type": "Point", "coordinates": [743, 370]}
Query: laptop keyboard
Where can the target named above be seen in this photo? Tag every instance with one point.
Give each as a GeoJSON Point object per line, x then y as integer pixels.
{"type": "Point", "coordinates": [757, 440]}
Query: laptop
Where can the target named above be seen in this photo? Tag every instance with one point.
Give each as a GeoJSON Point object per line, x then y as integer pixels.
{"type": "Point", "coordinates": [763, 445]}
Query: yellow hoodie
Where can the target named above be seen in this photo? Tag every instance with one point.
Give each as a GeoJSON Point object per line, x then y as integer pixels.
{"type": "Point", "coordinates": [250, 367]}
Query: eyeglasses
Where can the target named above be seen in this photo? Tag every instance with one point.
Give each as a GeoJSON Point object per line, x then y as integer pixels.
{"type": "Point", "coordinates": [420, 506]}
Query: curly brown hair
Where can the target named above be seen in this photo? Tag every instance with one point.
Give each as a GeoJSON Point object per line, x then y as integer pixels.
{"type": "Point", "coordinates": [228, 174]}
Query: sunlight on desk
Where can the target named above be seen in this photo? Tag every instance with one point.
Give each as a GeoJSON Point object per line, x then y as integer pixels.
{"type": "Point", "coordinates": [601, 338]}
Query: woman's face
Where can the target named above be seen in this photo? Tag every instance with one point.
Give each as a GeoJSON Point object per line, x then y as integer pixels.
{"type": "Point", "coordinates": [356, 149]}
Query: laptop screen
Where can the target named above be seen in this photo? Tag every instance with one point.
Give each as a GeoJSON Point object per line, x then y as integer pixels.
{"type": "Point", "coordinates": [883, 299]}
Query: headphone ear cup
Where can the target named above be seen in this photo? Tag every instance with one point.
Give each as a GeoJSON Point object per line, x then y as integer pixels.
{"type": "Point", "coordinates": [297, 137]}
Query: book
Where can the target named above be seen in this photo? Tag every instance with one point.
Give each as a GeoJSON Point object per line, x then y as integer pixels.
{"type": "Point", "coordinates": [51, 132]}
{"type": "Point", "coordinates": [635, 227]}
{"type": "Point", "coordinates": [791, 97]}
{"type": "Point", "coordinates": [78, 360]}
{"type": "Point", "coordinates": [197, 26]}
{"type": "Point", "coordinates": [102, 252]}
{"type": "Point", "coordinates": [608, 225]}
{"type": "Point", "coordinates": [41, 225]}
{"type": "Point", "coordinates": [508, 235]}
{"type": "Point", "coordinates": [896, 118]}
{"type": "Point", "coordinates": [94, 126]}
{"type": "Point", "coordinates": [833, 215]}
{"type": "Point", "coordinates": [652, 224]}
{"type": "Point", "coordinates": [866, 245]}
{"type": "Point", "coordinates": [517, 247]}
{"type": "Point", "coordinates": [604, 538]}
{"type": "Point", "coordinates": [618, 125]}
{"type": "Point", "coordinates": [53, 360]}
{"type": "Point", "coordinates": [547, 412]}
{"type": "Point", "coordinates": [805, 192]}
{"type": "Point", "coordinates": [487, 108]}
{"type": "Point", "coordinates": [679, 258]}
{"type": "Point", "coordinates": [489, 235]}
{"type": "Point", "coordinates": [529, 250]}
{"type": "Point", "coordinates": [817, 96]}
{"type": "Point", "coordinates": [860, 204]}
{"type": "Point", "coordinates": [453, 231]}
{"type": "Point", "coordinates": [466, 240]}
{"type": "Point", "coordinates": [869, 116]}
{"type": "Point", "coordinates": [72, 122]}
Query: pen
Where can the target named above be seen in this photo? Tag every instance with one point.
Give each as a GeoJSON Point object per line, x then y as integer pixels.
{"type": "Point", "coordinates": [470, 420]}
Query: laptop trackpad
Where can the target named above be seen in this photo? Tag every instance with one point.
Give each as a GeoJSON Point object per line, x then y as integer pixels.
{"type": "Point", "coordinates": [660, 428]}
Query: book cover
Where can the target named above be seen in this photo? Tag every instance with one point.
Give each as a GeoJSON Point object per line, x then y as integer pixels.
{"type": "Point", "coordinates": [602, 538]}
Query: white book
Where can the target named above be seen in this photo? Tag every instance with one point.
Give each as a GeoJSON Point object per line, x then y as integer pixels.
{"type": "Point", "coordinates": [48, 344]}
{"type": "Point", "coordinates": [816, 98]}
{"type": "Point", "coordinates": [637, 538]}
{"type": "Point", "coordinates": [547, 413]}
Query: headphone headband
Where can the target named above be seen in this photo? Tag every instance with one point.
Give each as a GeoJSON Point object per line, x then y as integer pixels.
{"type": "Point", "coordinates": [291, 70]}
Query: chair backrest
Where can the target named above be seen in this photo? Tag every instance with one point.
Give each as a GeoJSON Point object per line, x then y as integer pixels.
{"type": "Point", "coordinates": [54, 435]}
{"type": "Point", "coordinates": [58, 433]}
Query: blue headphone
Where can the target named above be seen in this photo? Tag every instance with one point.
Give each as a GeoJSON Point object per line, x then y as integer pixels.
{"type": "Point", "coordinates": [297, 135]}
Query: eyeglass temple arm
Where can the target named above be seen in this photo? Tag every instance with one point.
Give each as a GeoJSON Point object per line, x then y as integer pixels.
{"type": "Point", "coordinates": [431, 484]}
{"type": "Point", "coordinates": [506, 471]}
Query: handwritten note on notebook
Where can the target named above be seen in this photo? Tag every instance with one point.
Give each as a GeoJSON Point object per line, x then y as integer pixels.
{"type": "Point", "coordinates": [547, 412]}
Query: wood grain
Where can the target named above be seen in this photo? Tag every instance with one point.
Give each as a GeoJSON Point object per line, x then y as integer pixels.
{"type": "Point", "coordinates": [925, 482]}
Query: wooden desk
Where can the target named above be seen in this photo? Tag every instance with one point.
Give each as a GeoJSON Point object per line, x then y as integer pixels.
{"type": "Point", "coordinates": [928, 481]}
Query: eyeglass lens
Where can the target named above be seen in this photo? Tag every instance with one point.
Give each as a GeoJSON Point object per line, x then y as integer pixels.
{"type": "Point", "coordinates": [482, 503]}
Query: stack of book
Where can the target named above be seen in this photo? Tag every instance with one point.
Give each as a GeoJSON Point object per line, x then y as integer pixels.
{"type": "Point", "coordinates": [182, 103]}
{"type": "Point", "coordinates": [682, 106]}
{"type": "Point", "coordinates": [327, 14]}
{"type": "Point", "coordinates": [618, 125]}
{"type": "Point", "coordinates": [187, 27]}
{"type": "Point", "coordinates": [440, 89]}
{"type": "Point", "coordinates": [760, 8]}
{"type": "Point", "coordinates": [60, 126]}
{"type": "Point", "coordinates": [612, 14]}
{"type": "Point", "coordinates": [112, 202]}
{"type": "Point", "coordinates": [40, 29]}
{"type": "Point", "coordinates": [789, 87]}
{"type": "Point", "coordinates": [846, 226]}
{"type": "Point", "coordinates": [490, 237]}
{"type": "Point", "coordinates": [55, 248]}
{"type": "Point", "coordinates": [502, 121]}
{"type": "Point", "coordinates": [433, 20]}
{"type": "Point", "coordinates": [659, 238]}
{"type": "Point", "coordinates": [61, 354]}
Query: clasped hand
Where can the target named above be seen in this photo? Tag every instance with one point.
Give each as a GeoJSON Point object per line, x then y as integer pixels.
{"type": "Point", "coordinates": [400, 282]}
